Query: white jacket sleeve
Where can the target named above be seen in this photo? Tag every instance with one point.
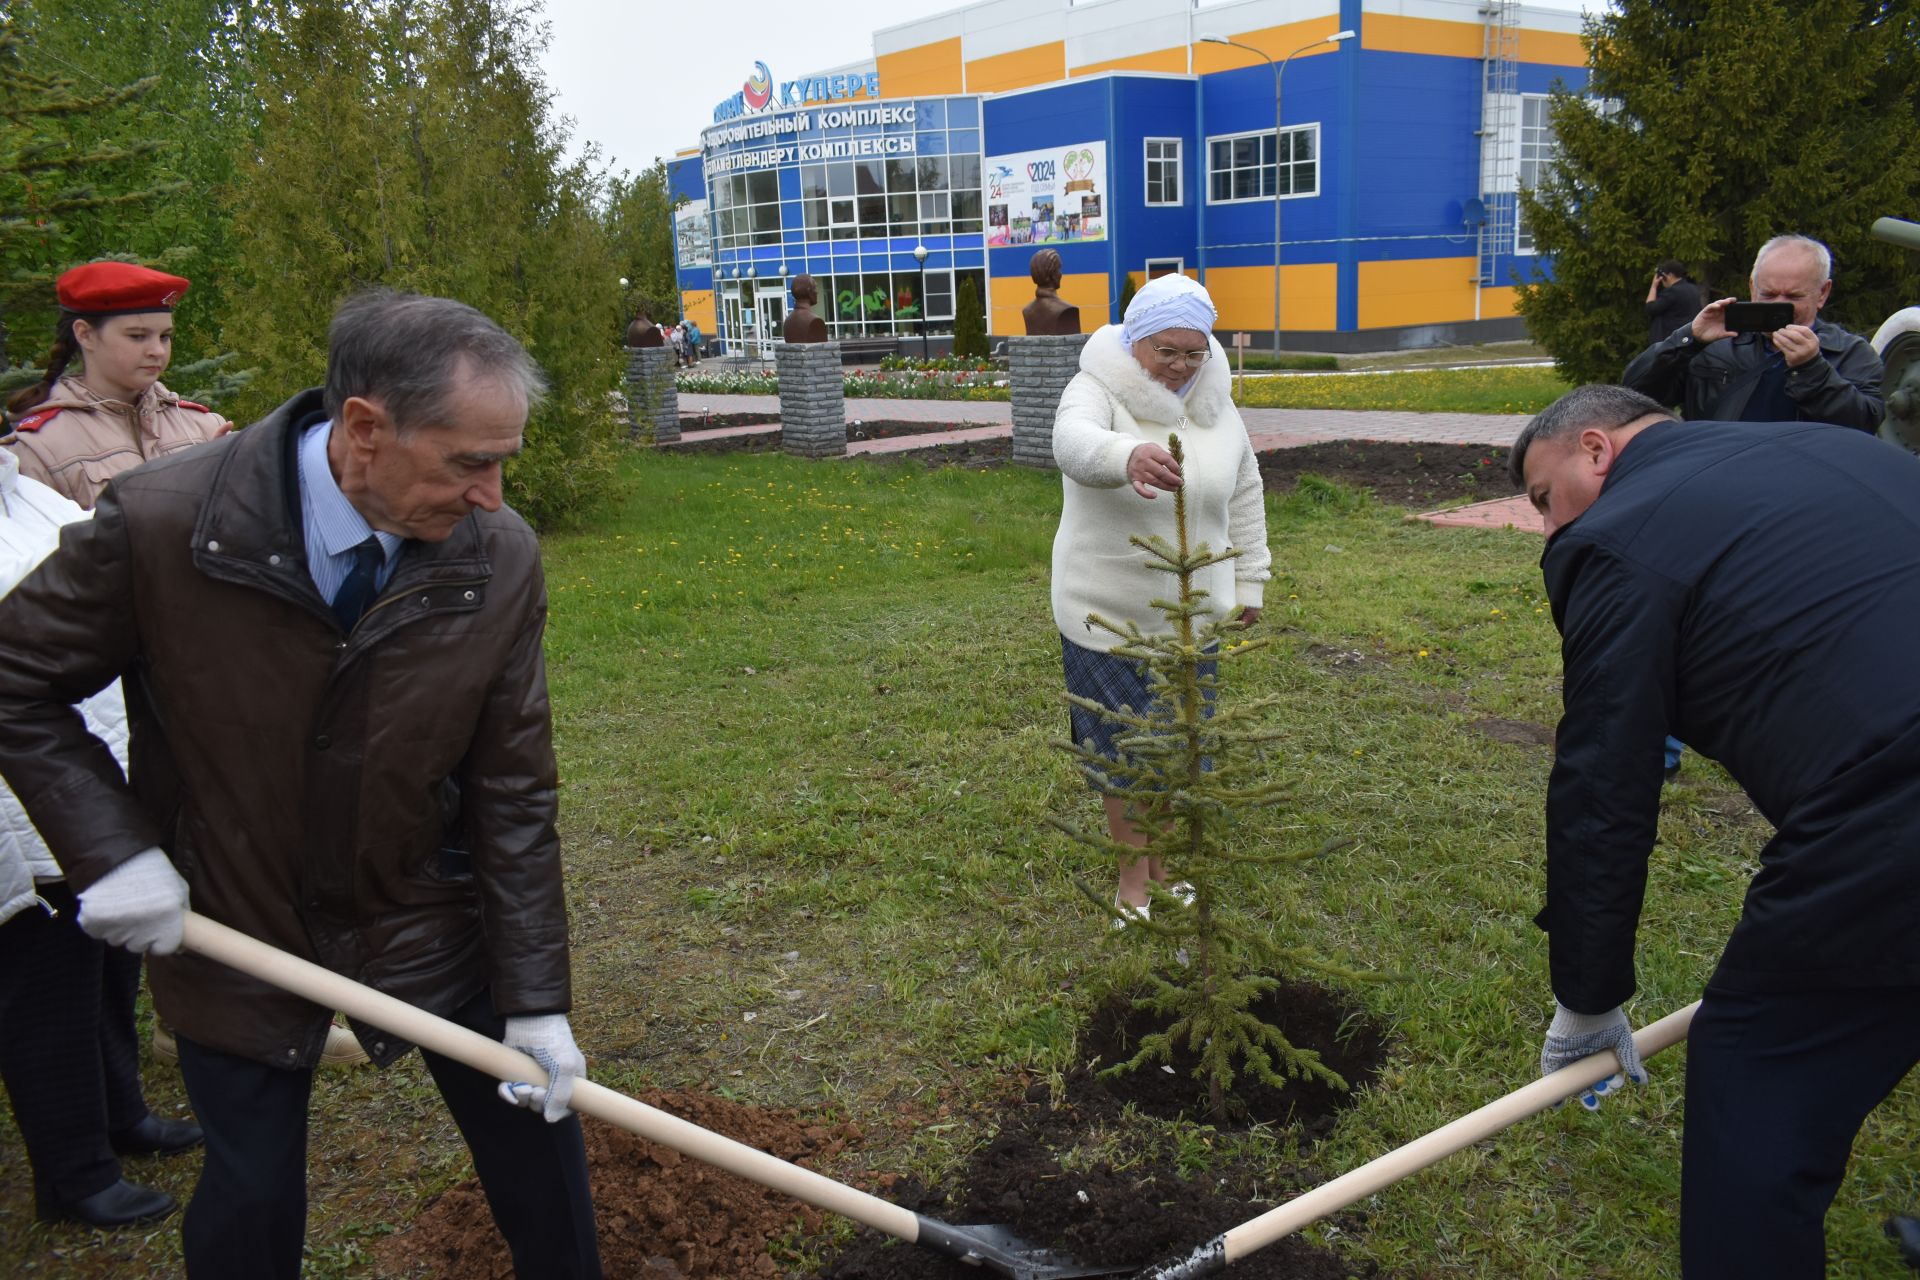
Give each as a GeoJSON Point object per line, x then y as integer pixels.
{"type": "Point", "coordinates": [1084, 443]}
{"type": "Point", "coordinates": [1247, 527]}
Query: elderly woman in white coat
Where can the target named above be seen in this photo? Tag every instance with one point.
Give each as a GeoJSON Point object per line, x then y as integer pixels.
{"type": "Point", "coordinates": [1159, 373]}
{"type": "Point", "coordinates": [68, 1056]}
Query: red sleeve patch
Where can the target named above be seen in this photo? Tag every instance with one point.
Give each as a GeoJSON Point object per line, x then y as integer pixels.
{"type": "Point", "coordinates": [35, 421]}
{"type": "Point", "coordinates": [188, 404]}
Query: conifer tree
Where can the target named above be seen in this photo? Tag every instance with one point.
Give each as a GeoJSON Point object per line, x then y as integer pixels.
{"type": "Point", "coordinates": [53, 179]}
{"type": "Point", "coordinates": [1710, 126]}
{"type": "Point", "coordinates": [1127, 291]}
{"type": "Point", "coordinates": [410, 143]}
{"type": "Point", "coordinates": [969, 325]}
{"type": "Point", "coordinates": [1188, 774]}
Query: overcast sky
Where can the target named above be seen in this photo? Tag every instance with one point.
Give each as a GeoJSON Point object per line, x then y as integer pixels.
{"type": "Point", "coordinates": [641, 77]}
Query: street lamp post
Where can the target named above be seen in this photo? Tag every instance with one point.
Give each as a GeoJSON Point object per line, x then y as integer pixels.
{"type": "Point", "coordinates": [920, 256]}
{"type": "Point", "coordinates": [1279, 71]}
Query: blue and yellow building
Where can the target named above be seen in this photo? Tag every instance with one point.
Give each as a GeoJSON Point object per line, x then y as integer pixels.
{"type": "Point", "coordinates": [1116, 133]}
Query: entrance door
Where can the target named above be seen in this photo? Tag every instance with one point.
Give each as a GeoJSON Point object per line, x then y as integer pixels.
{"type": "Point", "coordinates": [771, 307]}
{"type": "Point", "coordinates": [730, 313]}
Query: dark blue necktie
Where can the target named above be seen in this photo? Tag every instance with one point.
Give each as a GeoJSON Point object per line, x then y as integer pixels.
{"type": "Point", "coordinates": [356, 593]}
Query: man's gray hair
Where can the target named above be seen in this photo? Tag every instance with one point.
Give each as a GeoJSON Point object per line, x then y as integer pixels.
{"type": "Point", "coordinates": [1808, 243]}
{"type": "Point", "coordinates": [405, 349]}
{"type": "Point", "coordinates": [1600, 405]}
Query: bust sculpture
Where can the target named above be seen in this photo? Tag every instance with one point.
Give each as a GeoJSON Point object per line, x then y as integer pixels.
{"type": "Point", "coordinates": [1047, 314]}
{"type": "Point", "coordinates": [802, 324]}
{"type": "Point", "coordinates": [643, 332]}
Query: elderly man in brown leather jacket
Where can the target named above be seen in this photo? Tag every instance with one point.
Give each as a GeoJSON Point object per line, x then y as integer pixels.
{"type": "Point", "coordinates": [329, 630]}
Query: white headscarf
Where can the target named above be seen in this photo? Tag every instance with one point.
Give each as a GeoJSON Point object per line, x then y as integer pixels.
{"type": "Point", "coordinates": [1169, 302]}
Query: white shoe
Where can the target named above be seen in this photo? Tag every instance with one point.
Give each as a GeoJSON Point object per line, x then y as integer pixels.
{"type": "Point", "coordinates": [1184, 891]}
{"type": "Point", "coordinates": [1127, 912]}
{"type": "Point", "coordinates": [342, 1049]}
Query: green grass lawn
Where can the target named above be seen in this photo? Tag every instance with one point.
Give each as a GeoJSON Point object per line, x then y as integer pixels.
{"type": "Point", "coordinates": [804, 713]}
{"type": "Point", "coordinates": [1488, 390]}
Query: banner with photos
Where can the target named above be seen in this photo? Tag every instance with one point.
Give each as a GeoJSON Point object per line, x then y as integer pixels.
{"type": "Point", "coordinates": [1052, 196]}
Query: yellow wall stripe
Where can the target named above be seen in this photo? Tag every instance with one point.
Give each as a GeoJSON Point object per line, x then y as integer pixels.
{"type": "Point", "coordinates": [698, 304]}
{"type": "Point", "coordinates": [926, 68]}
{"type": "Point", "coordinates": [1039, 64]}
{"type": "Point", "coordinates": [1395, 33]}
{"type": "Point", "coordinates": [1174, 59]}
{"type": "Point", "coordinates": [1416, 291]}
{"type": "Point", "coordinates": [1087, 291]}
{"type": "Point", "coordinates": [1309, 297]}
{"type": "Point", "coordinates": [1275, 42]}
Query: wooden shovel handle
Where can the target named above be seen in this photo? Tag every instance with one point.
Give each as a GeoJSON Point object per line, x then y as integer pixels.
{"type": "Point", "coordinates": [1330, 1197]}
{"type": "Point", "coordinates": [332, 991]}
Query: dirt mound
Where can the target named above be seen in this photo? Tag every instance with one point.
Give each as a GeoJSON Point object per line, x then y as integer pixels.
{"type": "Point", "coordinates": [1036, 1177]}
{"type": "Point", "coordinates": [1422, 476]}
{"type": "Point", "coordinates": [661, 1215]}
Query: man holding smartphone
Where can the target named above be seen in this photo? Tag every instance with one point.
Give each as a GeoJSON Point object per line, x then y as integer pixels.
{"type": "Point", "coordinates": [1785, 365]}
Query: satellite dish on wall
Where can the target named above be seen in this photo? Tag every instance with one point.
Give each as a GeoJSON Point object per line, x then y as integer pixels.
{"type": "Point", "coordinates": [1473, 211]}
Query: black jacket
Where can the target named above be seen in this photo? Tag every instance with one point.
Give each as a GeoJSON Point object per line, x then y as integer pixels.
{"type": "Point", "coordinates": [1715, 381]}
{"type": "Point", "coordinates": [1754, 589]}
{"type": "Point", "coordinates": [1673, 306]}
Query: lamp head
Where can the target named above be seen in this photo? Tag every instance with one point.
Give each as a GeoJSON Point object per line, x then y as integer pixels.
{"type": "Point", "coordinates": [920, 253]}
{"type": "Point", "coordinates": [1213, 37]}
{"type": "Point", "coordinates": [1338, 36]}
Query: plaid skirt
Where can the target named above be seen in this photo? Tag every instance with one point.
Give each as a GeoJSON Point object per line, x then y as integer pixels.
{"type": "Point", "coordinates": [1114, 682]}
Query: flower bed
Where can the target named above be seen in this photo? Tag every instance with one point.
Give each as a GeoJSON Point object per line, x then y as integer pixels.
{"type": "Point", "coordinates": [885, 384]}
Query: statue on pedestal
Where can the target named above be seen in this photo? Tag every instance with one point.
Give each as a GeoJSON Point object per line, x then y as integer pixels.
{"type": "Point", "coordinates": [802, 324]}
{"type": "Point", "coordinates": [643, 332]}
{"type": "Point", "coordinates": [1047, 314]}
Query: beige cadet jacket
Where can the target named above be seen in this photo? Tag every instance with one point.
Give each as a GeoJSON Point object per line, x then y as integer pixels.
{"type": "Point", "coordinates": [77, 440]}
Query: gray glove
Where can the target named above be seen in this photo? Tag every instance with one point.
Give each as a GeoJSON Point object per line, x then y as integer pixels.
{"type": "Point", "coordinates": [140, 905]}
{"type": "Point", "coordinates": [548, 1041]}
{"type": "Point", "coordinates": [1574, 1036]}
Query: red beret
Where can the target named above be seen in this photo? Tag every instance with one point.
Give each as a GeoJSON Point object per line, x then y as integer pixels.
{"type": "Point", "coordinates": [117, 288]}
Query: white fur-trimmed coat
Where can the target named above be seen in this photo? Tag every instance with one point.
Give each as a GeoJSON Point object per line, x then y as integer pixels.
{"type": "Point", "coordinates": [1109, 409]}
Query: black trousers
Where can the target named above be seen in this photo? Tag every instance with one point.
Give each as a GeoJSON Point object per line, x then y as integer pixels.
{"type": "Point", "coordinates": [69, 1054]}
{"type": "Point", "coordinates": [248, 1216]}
{"type": "Point", "coordinates": [1778, 1086]}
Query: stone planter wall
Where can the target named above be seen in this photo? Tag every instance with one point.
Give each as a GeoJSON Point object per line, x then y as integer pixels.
{"type": "Point", "coordinates": [653, 398]}
{"type": "Point", "coordinates": [1039, 369]}
{"type": "Point", "coordinates": [813, 407]}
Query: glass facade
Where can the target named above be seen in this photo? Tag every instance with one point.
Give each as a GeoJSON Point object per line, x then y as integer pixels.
{"type": "Point", "coordinates": [844, 192]}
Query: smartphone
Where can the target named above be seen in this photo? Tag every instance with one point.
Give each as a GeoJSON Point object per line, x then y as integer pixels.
{"type": "Point", "coordinates": [1758, 317]}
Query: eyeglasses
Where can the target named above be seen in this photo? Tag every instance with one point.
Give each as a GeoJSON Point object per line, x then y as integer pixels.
{"type": "Point", "coordinates": [1170, 355]}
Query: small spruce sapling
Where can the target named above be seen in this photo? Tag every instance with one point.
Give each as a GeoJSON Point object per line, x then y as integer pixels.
{"type": "Point", "coordinates": [1188, 772]}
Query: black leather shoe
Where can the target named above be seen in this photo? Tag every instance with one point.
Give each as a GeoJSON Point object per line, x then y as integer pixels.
{"type": "Point", "coordinates": [154, 1136]}
{"type": "Point", "coordinates": [1907, 1232]}
{"type": "Point", "coordinates": [124, 1204]}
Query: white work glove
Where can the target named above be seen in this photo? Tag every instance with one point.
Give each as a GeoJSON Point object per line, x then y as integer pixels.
{"type": "Point", "coordinates": [1574, 1036]}
{"type": "Point", "coordinates": [140, 905]}
{"type": "Point", "coordinates": [548, 1041]}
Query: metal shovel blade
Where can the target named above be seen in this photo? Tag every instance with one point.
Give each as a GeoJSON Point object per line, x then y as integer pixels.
{"type": "Point", "coordinates": [1000, 1251]}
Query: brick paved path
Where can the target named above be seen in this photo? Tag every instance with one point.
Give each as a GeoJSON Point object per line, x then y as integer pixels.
{"type": "Point", "coordinates": [1270, 428]}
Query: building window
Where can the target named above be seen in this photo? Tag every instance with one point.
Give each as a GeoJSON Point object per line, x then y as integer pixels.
{"type": "Point", "coordinates": [1539, 149]}
{"type": "Point", "coordinates": [1163, 171]}
{"type": "Point", "coordinates": [1242, 166]}
{"type": "Point", "coordinates": [1157, 267]}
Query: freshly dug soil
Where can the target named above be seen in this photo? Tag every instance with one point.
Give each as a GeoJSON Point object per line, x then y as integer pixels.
{"type": "Point", "coordinates": [708, 421]}
{"type": "Point", "coordinates": [1310, 1016]}
{"type": "Point", "coordinates": [1422, 476]}
{"type": "Point", "coordinates": [661, 1215]}
{"type": "Point", "coordinates": [1147, 1212]}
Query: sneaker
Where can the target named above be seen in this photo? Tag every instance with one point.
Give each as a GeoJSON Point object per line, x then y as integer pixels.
{"type": "Point", "coordinates": [342, 1049]}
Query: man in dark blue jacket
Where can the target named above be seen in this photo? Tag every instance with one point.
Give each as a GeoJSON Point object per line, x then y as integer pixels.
{"type": "Point", "coordinates": [1755, 588]}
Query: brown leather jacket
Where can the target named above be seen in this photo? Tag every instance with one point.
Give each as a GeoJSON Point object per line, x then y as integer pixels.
{"type": "Point", "coordinates": [381, 802]}
{"type": "Point", "coordinates": [76, 439]}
